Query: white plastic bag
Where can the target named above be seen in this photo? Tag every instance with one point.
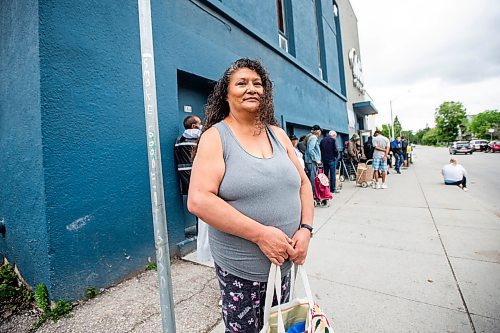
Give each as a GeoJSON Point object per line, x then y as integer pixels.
{"type": "Point", "coordinates": [203, 253]}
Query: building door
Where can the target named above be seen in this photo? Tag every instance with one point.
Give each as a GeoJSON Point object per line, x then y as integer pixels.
{"type": "Point", "coordinates": [192, 96]}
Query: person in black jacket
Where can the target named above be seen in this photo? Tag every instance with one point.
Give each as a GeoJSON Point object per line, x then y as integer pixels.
{"type": "Point", "coordinates": [329, 155]}
{"type": "Point", "coordinates": [183, 149]}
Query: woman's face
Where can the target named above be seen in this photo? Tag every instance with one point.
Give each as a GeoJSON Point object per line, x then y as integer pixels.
{"type": "Point", "coordinates": [245, 90]}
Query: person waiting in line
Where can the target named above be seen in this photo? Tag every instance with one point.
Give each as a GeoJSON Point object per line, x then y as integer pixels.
{"type": "Point", "coordinates": [242, 159]}
{"type": "Point", "coordinates": [302, 144]}
{"type": "Point", "coordinates": [353, 149]}
{"type": "Point", "coordinates": [329, 155]}
{"type": "Point", "coordinates": [397, 150]}
{"type": "Point", "coordinates": [381, 148]}
{"type": "Point", "coordinates": [455, 174]}
{"type": "Point", "coordinates": [312, 157]}
{"type": "Point", "coordinates": [299, 154]}
{"type": "Point", "coordinates": [368, 148]}
{"type": "Point", "coordinates": [404, 148]}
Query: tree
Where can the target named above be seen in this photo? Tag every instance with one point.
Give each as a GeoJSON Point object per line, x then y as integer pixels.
{"type": "Point", "coordinates": [483, 121]}
{"type": "Point", "coordinates": [430, 137]}
{"type": "Point", "coordinates": [448, 117]}
{"type": "Point", "coordinates": [420, 134]}
{"type": "Point", "coordinates": [397, 127]}
{"type": "Point", "coordinates": [386, 130]}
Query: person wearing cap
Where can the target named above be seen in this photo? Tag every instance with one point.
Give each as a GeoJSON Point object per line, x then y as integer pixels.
{"type": "Point", "coordinates": [381, 147]}
{"type": "Point", "coordinates": [299, 154]}
{"type": "Point", "coordinates": [312, 156]}
{"type": "Point", "coordinates": [352, 148]}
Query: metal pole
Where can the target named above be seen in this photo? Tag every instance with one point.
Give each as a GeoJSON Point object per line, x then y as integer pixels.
{"type": "Point", "coordinates": [155, 173]}
{"type": "Point", "coordinates": [392, 120]}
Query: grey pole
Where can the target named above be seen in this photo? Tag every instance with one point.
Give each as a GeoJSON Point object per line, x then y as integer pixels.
{"type": "Point", "coordinates": [392, 121]}
{"type": "Point", "coordinates": [155, 173]}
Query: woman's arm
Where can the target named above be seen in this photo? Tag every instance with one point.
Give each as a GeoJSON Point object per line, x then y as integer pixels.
{"type": "Point", "coordinates": [203, 201]}
{"type": "Point", "coordinates": [302, 236]}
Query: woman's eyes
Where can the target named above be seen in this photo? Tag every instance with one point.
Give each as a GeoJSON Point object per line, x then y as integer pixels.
{"type": "Point", "coordinates": [243, 83]}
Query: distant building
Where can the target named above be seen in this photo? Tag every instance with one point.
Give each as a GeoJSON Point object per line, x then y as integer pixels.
{"type": "Point", "coordinates": [360, 109]}
{"type": "Point", "coordinates": [75, 196]}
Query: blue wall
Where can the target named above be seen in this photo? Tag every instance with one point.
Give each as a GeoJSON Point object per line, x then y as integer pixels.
{"type": "Point", "coordinates": [96, 171]}
{"type": "Point", "coordinates": [90, 192]}
{"type": "Point", "coordinates": [22, 200]}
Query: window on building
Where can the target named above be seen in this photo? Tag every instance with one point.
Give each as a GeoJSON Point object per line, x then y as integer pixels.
{"type": "Point", "coordinates": [320, 41]}
{"type": "Point", "coordinates": [285, 26]}
{"type": "Point", "coordinates": [283, 40]}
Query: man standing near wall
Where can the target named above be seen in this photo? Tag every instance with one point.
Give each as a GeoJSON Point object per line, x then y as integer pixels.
{"type": "Point", "coordinates": [312, 156]}
{"type": "Point", "coordinates": [381, 149]}
{"type": "Point", "coordinates": [329, 155]}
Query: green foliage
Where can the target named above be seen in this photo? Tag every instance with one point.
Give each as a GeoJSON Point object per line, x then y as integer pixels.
{"type": "Point", "coordinates": [14, 294]}
{"type": "Point", "coordinates": [397, 127]}
{"type": "Point", "coordinates": [61, 309]}
{"type": "Point", "coordinates": [448, 117]}
{"type": "Point", "coordinates": [151, 266]}
{"type": "Point", "coordinates": [430, 137]}
{"type": "Point", "coordinates": [483, 121]}
{"type": "Point", "coordinates": [42, 298]}
{"type": "Point", "coordinates": [91, 293]}
{"type": "Point", "coordinates": [417, 137]}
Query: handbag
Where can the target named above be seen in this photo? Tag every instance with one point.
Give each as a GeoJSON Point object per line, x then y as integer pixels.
{"type": "Point", "coordinates": [299, 315]}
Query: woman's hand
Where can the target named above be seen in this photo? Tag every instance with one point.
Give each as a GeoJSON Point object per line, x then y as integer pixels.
{"type": "Point", "coordinates": [275, 245]}
{"type": "Point", "coordinates": [300, 240]}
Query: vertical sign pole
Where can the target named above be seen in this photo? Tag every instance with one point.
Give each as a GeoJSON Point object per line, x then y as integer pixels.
{"type": "Point", "coordinates": [155, 173]}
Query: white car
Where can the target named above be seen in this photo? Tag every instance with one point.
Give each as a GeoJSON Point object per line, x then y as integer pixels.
{"type": "Point", "coordinates": [478, 145]}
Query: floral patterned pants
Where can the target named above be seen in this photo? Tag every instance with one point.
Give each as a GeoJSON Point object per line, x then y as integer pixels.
{"type": "Point", "coordinates": [243, 301]}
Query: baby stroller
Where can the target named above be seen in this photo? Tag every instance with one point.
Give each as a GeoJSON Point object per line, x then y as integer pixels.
{"type": "Point", "coordinates": [322, 189]}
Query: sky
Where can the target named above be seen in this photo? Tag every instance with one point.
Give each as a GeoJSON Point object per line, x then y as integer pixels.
{"type": "Point", "coordinates": [421, 53]}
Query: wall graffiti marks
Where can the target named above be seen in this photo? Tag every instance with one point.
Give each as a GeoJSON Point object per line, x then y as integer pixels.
{"type": "Point", "coordinates": [79, 223]}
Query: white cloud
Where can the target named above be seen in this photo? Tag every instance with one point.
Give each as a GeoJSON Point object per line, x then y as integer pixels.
{"type": "Point", "coordinates": [439, 50]}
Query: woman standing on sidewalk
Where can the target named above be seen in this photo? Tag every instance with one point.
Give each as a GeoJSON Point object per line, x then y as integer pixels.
{"type": "Point", "coordinates": [248, 185]}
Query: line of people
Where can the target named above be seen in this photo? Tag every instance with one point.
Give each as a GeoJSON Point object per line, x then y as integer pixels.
{"type": "Point", "coordinates": [314, 154]}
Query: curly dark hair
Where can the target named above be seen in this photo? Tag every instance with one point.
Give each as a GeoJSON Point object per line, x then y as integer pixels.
{"type": "Point", "coordinates": [217, 108]}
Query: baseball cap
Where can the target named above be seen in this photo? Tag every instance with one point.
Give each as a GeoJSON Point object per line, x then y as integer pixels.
{"type": "Point", "coordinates": [316, 128]}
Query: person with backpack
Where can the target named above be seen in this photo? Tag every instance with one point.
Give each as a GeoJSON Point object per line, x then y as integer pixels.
{"type": "Point", "coordinates": [312, 156]}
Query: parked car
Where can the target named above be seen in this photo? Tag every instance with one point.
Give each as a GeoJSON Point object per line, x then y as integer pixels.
{"type": "Point", "coordinates": [478, 145]}
{"type": "Point", "coordinates": [493, 147]}
{"type": "Point", "coordinates": [460, 147]}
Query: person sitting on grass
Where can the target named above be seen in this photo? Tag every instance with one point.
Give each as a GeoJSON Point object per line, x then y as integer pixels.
{"type": "Point", "coordinates": [455, 174]}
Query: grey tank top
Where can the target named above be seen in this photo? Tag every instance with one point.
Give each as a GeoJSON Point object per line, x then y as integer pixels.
{"type": "Point", "coordinates": [264, 189]}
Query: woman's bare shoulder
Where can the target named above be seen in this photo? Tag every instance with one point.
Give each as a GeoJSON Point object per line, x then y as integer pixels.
{"type": "Point", "coordinates": [282, 136]}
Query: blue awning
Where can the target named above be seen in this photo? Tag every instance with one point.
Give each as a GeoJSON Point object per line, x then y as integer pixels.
{"type": "Point", "coordinates": [364, 108]}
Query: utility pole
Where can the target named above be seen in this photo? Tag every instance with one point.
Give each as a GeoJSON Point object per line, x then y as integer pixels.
{"type": "Point", "coordinates": [155, 173]}
{"type": "Point", "coordinates": [392, 121]}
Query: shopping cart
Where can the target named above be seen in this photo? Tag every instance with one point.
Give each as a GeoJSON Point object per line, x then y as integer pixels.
{"type": "Point", "coordinates": [364, 174]}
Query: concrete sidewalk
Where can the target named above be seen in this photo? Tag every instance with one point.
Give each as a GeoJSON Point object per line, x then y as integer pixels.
{"type": "Point", "coordinates": [416, 257]}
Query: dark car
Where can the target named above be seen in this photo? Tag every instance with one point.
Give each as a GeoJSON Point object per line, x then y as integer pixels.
{"type": "Point", "coordinates": [460, 147]}
{"type": "Point", "coordinates": [493, 147]}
